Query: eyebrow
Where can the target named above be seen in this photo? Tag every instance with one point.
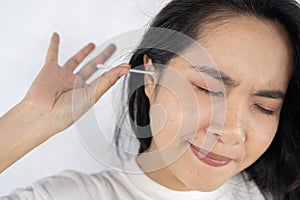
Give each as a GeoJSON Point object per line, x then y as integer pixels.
{"type": "Point", "coordinates": [273, 94]}
{"type": "Point", "coordinates": [216, 74]}
{"type": "Point", "coordinates": [221, 76]}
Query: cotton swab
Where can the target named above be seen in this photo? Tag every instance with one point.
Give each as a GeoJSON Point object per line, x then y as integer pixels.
{"type": "Point", "coordinates": [101, 66]}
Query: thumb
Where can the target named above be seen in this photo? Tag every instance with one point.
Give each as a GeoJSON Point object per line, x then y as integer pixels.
{"type": "Point", "coordinates": [99, 86]}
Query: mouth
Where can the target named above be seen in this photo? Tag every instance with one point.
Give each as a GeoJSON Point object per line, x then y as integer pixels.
{"type": "Point", "coordinates": [209, 158]}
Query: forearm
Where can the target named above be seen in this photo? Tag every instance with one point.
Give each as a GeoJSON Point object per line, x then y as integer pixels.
{"type": "Point", "coordinates": [21, 130]}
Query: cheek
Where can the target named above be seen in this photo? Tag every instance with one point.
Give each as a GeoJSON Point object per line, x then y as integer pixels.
{"type": "Point", "coordinates": [173, 115]}
{"type": "Point", "coordinates": [259, 138]}
{"type": "Point", "coordinates": [165, 117]}
{"type": "Point", "coordinates": [262, 128]}
{"type": "Point", "coordinates": [158, 118]}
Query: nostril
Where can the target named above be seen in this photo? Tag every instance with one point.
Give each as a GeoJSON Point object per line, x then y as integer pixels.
{"type": "Point", "coordinates": [218, 136]}
{"type": "Point", "coordinates": [233, 138]}
{"type": "Point", "coordinates": [232, 131]}
{"type": "Point", "coordinates": [210, 140]}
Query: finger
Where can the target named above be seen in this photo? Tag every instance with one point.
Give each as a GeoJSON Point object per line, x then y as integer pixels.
{"type": "Point", "coordinates": [108, 79]}
{"type": "Point", "coordinates": [52, 54]}
{"type": "Point", "coordinates": [73, 62]}
{"type": "Point", "coordinates": [90, 68]}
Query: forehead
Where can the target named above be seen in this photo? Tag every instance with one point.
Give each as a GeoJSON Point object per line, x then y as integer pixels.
{"type": "Point", "coordinates": [250, 50]}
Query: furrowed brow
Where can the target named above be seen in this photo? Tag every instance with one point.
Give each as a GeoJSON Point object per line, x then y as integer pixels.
{"type": "Point", "coordinates": [221, 76]}
{"type": "Point", "coordinates": [214, 73]}
{"type": "Point", "coordinates": [273, 94]}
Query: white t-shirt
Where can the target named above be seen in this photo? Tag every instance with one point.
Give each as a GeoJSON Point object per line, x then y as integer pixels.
{"type": "Point", "coordinates": [121, 185]}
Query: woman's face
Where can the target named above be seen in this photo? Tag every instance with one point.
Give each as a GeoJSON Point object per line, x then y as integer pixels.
{"type": "Point", "coordinates": [254, 58]}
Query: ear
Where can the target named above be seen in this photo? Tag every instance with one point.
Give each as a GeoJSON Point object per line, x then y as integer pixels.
{"type": "Point", "coordinates": [149, 81]}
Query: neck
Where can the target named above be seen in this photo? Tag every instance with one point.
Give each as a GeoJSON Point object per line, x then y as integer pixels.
{"type": "Point", "coordinates": [152, 167]}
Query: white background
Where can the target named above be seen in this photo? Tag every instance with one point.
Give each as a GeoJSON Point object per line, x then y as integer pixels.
{"type": "Point", "coordinates": [26, 27]}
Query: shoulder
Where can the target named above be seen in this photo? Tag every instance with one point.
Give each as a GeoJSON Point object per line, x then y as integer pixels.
{"type": "Point", "coordinates": [69, 184]}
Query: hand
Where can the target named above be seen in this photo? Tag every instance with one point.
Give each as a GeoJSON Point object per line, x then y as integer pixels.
{"type": "Point", "coordinates": [50, 97]}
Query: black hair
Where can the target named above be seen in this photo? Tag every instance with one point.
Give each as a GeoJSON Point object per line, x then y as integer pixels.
{"type": "Point", "coordinates": [277, 171]}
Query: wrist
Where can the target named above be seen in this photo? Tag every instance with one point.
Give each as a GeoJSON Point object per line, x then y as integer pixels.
{"type": "Point", "coordinates": [32, 119]}
{"type": "Point", "coordinates": [21, 127]}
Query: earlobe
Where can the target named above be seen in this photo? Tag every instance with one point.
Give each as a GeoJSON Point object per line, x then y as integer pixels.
{"type": "Point", "coordinates": [149, 81]}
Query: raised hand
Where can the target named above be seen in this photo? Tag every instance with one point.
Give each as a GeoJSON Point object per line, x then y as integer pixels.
{"type": "Point", "coordinates": [51, 96]}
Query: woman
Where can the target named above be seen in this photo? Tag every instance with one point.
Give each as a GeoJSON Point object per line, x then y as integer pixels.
{"type": "Point", "coordinates": [255, 46]}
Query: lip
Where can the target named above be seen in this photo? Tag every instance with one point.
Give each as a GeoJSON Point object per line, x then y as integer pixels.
{"type": "Point", "coordinates": [209, 158]}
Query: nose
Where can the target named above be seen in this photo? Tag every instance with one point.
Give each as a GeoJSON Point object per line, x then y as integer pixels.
{"type": "Point", "coordinates": [230, 128]}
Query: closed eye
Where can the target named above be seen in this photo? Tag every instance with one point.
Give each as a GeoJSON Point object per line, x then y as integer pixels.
{"type": "Point", "coordinates": [212, 93]}
{"type": "Point", "coordinates": [264, 110]}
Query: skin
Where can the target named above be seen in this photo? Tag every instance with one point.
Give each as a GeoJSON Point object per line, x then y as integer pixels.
{"type": "Point", "coordinates": [47, 107]}
{"type": "Point", "coordinates": [256, 55]}
{"type": "Point", "coordinates": [261, 61]}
